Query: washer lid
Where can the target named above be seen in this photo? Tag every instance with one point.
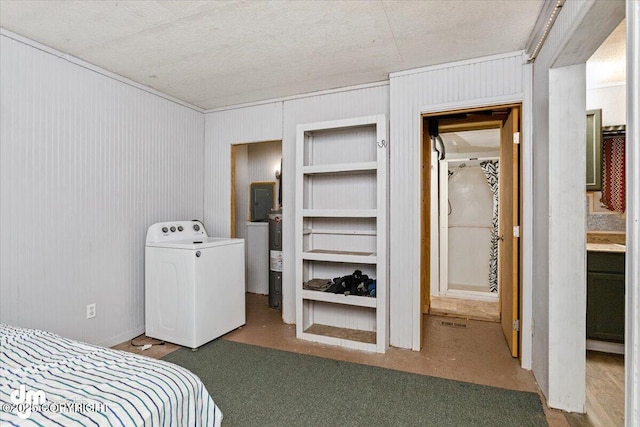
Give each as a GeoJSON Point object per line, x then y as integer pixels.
{"type": "Point", "coordinates": [201, 243]}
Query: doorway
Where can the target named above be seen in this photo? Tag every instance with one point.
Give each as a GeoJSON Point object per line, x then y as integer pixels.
{"type": "Point", "coordinates": [471, 173]}
{"type": "Point", "coordinates": [255, 180]}
{"type": "Point", "coordinates": [606, 228]}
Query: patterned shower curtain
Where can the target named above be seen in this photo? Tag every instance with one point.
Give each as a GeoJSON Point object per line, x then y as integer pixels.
{"type": "Point", "coordinates": [490, 169]}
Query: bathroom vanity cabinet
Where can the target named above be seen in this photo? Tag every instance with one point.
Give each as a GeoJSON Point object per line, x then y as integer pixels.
{"type": "Point", "coordinates": [605, 295]}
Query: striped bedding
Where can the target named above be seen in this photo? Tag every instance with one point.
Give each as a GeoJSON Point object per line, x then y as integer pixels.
{"type": "Point", "coordinates": [89, 385]}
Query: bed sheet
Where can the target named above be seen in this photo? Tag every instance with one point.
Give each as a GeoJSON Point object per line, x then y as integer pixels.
{"type": "Point", "coordinates": [46, 379]}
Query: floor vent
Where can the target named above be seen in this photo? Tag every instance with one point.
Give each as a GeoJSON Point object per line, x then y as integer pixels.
{"type": "Point", "coordinates": [453, 324]}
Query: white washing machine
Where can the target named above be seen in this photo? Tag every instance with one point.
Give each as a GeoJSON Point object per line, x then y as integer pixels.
{"type": "Point", "coordinates": [194, 284]}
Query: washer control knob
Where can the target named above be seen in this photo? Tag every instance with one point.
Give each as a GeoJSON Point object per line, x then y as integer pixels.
{"type": "Point", "coordinates": [165, 229]}
{"type": "Point", "coordinates": [173, 229]}
{"type": "Point", "coordinates": [198, 253]}
{"type": "Point", "coordinates": [196, 227]}
{"type": "Point", "coordinates": [180, 228]}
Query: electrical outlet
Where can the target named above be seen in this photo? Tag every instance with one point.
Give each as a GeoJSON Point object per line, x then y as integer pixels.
{"type": "Point", "coordinates": [91, 311]}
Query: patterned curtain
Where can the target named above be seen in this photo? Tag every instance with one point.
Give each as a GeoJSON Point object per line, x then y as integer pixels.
{"type": "Point", "coordinates": [613, 181]}
{"type": "Point", "coordinates": [490, 169]}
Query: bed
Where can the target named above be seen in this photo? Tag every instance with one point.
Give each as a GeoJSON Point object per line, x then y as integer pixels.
{"type": "Point", "coordinates": [46, 379]}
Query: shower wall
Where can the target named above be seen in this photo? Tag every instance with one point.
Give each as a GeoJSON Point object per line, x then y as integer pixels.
{"type": "Point", "coordinates": [469, 228]}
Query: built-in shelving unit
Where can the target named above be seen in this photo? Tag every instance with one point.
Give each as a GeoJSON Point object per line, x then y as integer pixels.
{"type": "Point", "coordinates": [340, 227]}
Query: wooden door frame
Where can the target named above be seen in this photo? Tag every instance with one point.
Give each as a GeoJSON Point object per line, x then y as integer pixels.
{"type": "Point", "coordinates": [425, 206]}
{"type": "Point", "coordinates": [233, 191]}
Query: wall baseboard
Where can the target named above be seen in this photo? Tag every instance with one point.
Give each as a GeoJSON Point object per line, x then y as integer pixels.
{"type": "Point", "coordinates": [605, 347]}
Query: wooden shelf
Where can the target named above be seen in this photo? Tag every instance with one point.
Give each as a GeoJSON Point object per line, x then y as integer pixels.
{"type": "Point", "coordinates": [350, 338]}
{"type": "Point", "coordinates": [339, 213]}
{"type": "Point", "coordinates": [354, 300]}
{"type": "Point", "coordinates": [340, 168]}
{"type": "Point", "coordinates": [342, 342]}
{"type": "Point", "coordinates": [308, 231]}
{"type": "Point", "coordinates": [340, 256]}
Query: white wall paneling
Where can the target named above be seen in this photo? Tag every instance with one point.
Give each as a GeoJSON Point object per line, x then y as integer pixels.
{"type": "Point", "coordinates": [87, 163]}
{"type": "Point", "coordinates": [632, 333]}
{"type": "Point", "coordinates": [480, 82]}
{"type": "Point", "coordinates": [242, 191]}
{"type": "Point", "coordinates": [526, 152]}
{"type": "Point", "coordinates": [567, 237]}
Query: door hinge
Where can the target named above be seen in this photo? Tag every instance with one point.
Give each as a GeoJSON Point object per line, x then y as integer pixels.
{"type": "Point", "coordinates": [516, 137]}
{"type": "Point", "coordinates": [516, 231]}
{"type": "Point", "coordinates": [516, 325]}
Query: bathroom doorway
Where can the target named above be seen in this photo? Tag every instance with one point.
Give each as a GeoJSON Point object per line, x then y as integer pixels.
{"type": "Point", "coordinates": [471, 211]}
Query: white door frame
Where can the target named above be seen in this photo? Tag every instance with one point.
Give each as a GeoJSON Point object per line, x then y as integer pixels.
{"type": "Point", "coordinates": [632, 278]}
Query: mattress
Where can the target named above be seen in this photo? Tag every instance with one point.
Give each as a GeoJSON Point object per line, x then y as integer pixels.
{"type": "Point", "coordinates": [46, 379]}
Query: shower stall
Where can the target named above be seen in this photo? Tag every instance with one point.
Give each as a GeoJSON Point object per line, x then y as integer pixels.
{"type": "Point", "coordinates": [468, 218]}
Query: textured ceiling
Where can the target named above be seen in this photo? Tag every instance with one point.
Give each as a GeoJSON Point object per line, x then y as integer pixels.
{"type": "Point", "coordinates": [608, 65]}
{"type": "Point", "coordinates": [219, 53]}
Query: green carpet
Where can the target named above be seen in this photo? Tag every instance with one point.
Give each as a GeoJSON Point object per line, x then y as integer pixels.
{"type": "Point", "coordinates": [255, 386]}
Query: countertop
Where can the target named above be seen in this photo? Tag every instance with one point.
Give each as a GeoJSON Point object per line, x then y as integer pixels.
{"type": "Point", "coordinates": [606, 247]}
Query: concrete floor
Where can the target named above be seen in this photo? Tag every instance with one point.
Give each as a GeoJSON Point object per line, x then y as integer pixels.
{"type": "Point", "coordinates": [476, 353]}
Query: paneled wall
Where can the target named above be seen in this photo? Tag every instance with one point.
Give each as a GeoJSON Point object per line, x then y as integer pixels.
{"type": "Point", "coordinates": [87, 163]}
{"type": "Point", "coordinates": [483, 81]}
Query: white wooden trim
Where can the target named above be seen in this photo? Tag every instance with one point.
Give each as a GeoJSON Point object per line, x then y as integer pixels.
{"type": "Point", "coordinates": [632, 272]}
{"type": "Point", "coordinates": [526, 132]}
{"type": "Point", "coordinates": [567, 242]}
